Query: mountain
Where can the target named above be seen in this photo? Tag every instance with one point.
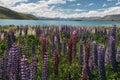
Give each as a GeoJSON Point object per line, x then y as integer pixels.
{"type": "Point", "coordinates": [112, 17]}
{"type": "Point", "coordinates": [105, 18]}
{"type": "Point", "coordinates": [6, 13]}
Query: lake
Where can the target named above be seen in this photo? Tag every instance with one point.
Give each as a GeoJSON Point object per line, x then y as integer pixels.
{"type": "Point", "coordinates": [57, 22]}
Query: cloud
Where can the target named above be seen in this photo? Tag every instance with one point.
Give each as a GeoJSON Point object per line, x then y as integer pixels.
{"type": "Point", "coordinates": [91, 4]}
{"type": "Point", "coordinates": [56, 2]}
{"type": "Point", "coordinates": [9, 3]}
{"type": "Point", "coordinates": [104, 5]}
{"type": "Point", "coordinates": [71, 0]}
{"type": "Point", "coordinates": [78, 4]}
{"type": "Point", "coordinates": [79, 10]}
{"type": "Point", "coordinates": [109, 0]}
{"type": "Point", "coordinates": [118, 2]}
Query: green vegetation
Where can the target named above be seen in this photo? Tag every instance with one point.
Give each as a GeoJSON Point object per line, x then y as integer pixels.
{"type": "Point", "coordinates": [6, 13]}
{"type": "Point", "coordinates": [64, 68]}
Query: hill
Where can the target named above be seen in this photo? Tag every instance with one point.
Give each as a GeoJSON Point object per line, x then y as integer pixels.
{"type": "Point", "coordinates": [105, 18]}
{"type": "Point", "coordinates": [6, 13]}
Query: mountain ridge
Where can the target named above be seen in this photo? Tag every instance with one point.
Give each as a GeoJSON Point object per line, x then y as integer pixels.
{"type": "Point", "coordinates": [6, 13]}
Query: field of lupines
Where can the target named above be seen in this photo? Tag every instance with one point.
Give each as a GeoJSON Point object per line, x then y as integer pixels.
{"type": "Point", "coordinates": [59, 53]}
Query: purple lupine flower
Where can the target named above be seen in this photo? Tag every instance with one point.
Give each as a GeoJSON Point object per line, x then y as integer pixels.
{"type": "Point", "coordinates": [33, 48]}
{"type": "Point", "coordinates": [55, 62]}
{"type": "Point", "coordinates": [33, 68]}
{"type": "Point", "coordinates": [13, 62]}
{"type": "Point", "coordinates": [63, 48]}
{"type": "Point", "coordinates": [95, 56]}
{"type": "Point", "coordinates": [9, 43]}
{"type": "Point", "coordinates": [74, 40]}
{"type": "Point", "coordinates": [52, 42]}
{"type": "Point", "coordinates": [69, 51]}
{"type": "Point", "coordinates": [113, 31]}
{"type": "Point", "coordinates": [1, 70]}
{"type": "Point", "coordinates": [38, 31]}
{"type": "Point", "coordinates": [81, 53]}
{"type": "Point", "coordinates": [45, 67]}
{"type": "Point", "coordinates": [91, 63]}
{"type": "Point", "coordinates": [107, 58]}
{"type": "Point", "coordinates": [43, 44]}
{"type": "Point", "coordinates": [86, 58]}
{"type": "Point", "coordinates": [24, 68]}
{"type": "Point", "coordinates": [0, 37]}
{"type": "Point", "coordinates": [112, 53]}
{"type": "Point", "coordinates": [3, 66]}
{"type": "Point", "coordinates": [12, 36]}
{"type": "Point", "coordinates": [58, 42]}
{"type": "Point", "coordinates": [25, 31]}
{"type": "Point", "coordinates": [101, 62]}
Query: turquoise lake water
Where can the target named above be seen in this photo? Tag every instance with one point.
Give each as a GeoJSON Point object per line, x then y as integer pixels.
{"type": "Point", "coordinates": [57, 22]}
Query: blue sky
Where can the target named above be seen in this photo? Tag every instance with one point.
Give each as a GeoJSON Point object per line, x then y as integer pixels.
{"type": "Point", "coordinates": [64, 8]}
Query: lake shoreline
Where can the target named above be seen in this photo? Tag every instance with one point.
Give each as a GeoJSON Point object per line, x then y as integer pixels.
{"type": "Point", "coordinates": [4, 22]}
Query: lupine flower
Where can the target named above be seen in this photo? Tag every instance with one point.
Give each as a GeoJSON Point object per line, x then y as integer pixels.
{"type": "Point", "coordinates": [45, 67]}
{"type": "Point", "coordinates": [113, 31]}
{"type": "Point", "coordinates": [86, 58]}
{"type": "Point", "coordinates": [33, 48]}
{"type": "Point", "coordinates": [3, 66]}
{"type": "Point", "coordinates": [9, 42]}
{"type": "Point", "coordinates": [95, 56]}
{"type": "Point", "coordinates": [24, 68]}
{"type": "Point", "coordinates": [1, 70]}
{"type": "Point", "coordinates": [84, 73]}
{"type": "Point", "coordinates": [13, 62]}
{"type": "Point", "coordinates": [81, 53]}
{"type": "Point", "coordinates": [91, 63]}
{"type": "Point", "coordinates": [55, 62]}
{"type": "Point", "coordinates": [107, 58]}
{"type": "Point", "coordinates": [12, 36]}
{"type": "Point", "coordinates": [33, 67]}
{"type": "Point", "coordinates": [101, 62]}
{"type": "Point", "coordinates": [63, 48]}
{"type": "Point", "coordinates": [70, 51]}
{"type": "Point", "coordinates": [25, 31]}
{"type": "Point", "coordinates": [0, 37]}
{"type": "Point", "coordinates": [52, 42]}
{"type": "Point", "coordinates": [112, 53]}
{"type": "Point", "coordinates": [20, 32]}
{"type": "Point", "coordinates": [5, 58]}
{"type": "Point", "coordinates": [43, 44]}
{"type": "Point", "coordinates": [74, 39]}
{"type": "Point", "coordinates": [38, 31]}
{"type": "Point", "coordinates": [58, 42]}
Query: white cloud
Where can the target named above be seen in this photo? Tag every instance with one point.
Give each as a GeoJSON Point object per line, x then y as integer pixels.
{"type": "Point", "coordinates": [104, 5]}
{"type": "Point", "coordinates": [78, 4]}
{"type": "Point", "coordinates": [91, 4]}
{"type": "Point", "coordinates": [118, 2]}
{"type": "Point", "coordinates": [9, 3]}
{"type": "Point", "coordinates": [56, 2]}
{"type": "Point", "coordinates": [71, 0]}
{"type": "Point", "coordinates": [109, 0]}
{"type": "Point", "coordinates": [79, 10]}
